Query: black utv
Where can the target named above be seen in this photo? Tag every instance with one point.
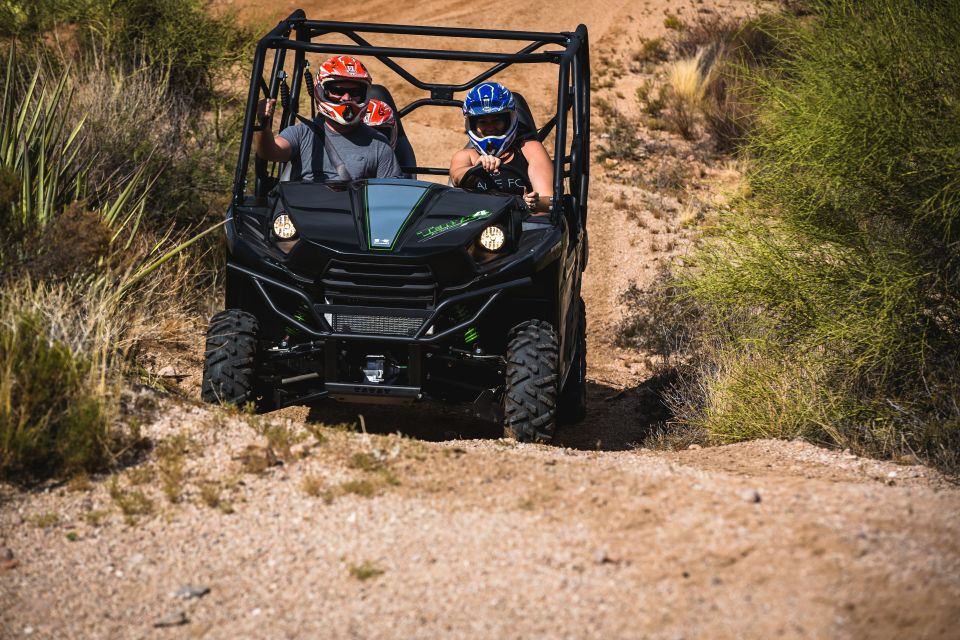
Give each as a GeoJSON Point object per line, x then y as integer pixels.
{"type": "Point", "coordinates": [401, 290]}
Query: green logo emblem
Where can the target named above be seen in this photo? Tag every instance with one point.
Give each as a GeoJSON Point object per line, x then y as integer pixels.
{"type": "Point", "coordinates": [456, 223]}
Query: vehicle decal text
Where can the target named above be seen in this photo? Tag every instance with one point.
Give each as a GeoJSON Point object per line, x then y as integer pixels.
{"type": "Point", "coordinates": [449, 225]}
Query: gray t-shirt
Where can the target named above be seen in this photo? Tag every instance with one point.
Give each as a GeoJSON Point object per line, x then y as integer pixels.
{"type": "Point", "coordinates": [364, 151]}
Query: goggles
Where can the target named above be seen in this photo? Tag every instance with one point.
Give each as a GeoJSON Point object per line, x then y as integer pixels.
{"type": "Point", "coordinates": [503, 118]}
{"type": "Point", "coordinates": [335, 91]}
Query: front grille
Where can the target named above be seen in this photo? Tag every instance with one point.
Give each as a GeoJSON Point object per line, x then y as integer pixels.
{"type": "Point", "coordinates": [376, 325]}
{"type": "Point", "coordinates": [379, 284]}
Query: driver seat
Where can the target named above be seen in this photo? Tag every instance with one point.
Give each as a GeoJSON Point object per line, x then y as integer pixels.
{"type": "Point", "coordinates": [526, 127]}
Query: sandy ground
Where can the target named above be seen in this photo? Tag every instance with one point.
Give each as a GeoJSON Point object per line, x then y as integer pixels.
{"type": "Point", "coordinates": [443, 530]}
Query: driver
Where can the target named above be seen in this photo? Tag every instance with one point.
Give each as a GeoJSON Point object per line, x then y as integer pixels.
{"type": "Point", "coordinates": [491, 121]}
{"type": "Point", "coordinates": [339, 141]}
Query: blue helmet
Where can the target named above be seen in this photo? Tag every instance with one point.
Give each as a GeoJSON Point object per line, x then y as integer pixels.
{"type": "Point", "coordinates": [485, 99]}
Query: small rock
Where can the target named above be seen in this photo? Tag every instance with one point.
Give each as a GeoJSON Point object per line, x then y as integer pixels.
{"type": "Point", "coordinates": [601, 557]}
{"type": "Point", "coordinates": [167, 372]}
{"type": "Point", "coordinates": [187, 592]}
{"type": "Point", "coordinates": [694, 447]}
{"type": "Point", "coordinates": [750, 495]}
{"type": "Point", "coordinates": [28, 631]}
{"type": "Point", "coordinates": [7, 561]}
{"type": "Point", "coordinates": [172, 620]}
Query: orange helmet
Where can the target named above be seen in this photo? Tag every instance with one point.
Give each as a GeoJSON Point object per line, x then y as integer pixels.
{"type": "Point", "coordinates": [379, 115]}
{"type": "Point", "coordinates": [343, 103]}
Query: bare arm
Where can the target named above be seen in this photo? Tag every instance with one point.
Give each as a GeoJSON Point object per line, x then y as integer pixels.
{"type": "Point", "coordinates": [466, 159]}
{"type": "Point", "coordinates": [268, 146]}
{"type": "Point", "coordinates": [461, 163]}
{"type": "Point", "coordinates": [540, 172]}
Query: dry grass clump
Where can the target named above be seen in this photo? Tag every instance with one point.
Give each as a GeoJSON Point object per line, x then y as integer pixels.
{"type": "Point", "coordinates": [171, 465]}
{"type": "Point", "coordinates": [211, 494]}
{"type": "Point", "coordinates": [686, 82]}
{"type": "Point", "coordinates": [312, 485]}
{"type": "Point", "coordinates": [131, 502]}
{"type": "Point", "coordinates": [365, 570]}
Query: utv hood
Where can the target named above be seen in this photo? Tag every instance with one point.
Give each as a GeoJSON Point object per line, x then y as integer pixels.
{"type": "Point", "coordinates": [408, 218]}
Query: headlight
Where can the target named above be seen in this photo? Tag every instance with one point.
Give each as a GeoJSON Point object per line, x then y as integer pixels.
{"type": "Point", "coordinates": [492, 238]}
{"type": "Point", "coordinates": [283, 227]}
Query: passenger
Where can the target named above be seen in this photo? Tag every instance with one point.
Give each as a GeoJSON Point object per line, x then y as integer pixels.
{"type": "Point", "coordinates": [491, 120]}
{"type": "Point", "coordinates": [349, 149]}
{"type": "Point", "coordinates": [380, 116]}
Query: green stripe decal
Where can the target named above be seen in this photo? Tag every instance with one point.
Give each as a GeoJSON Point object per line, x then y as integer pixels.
{"type": "Point", "coordinates": [389, 207]}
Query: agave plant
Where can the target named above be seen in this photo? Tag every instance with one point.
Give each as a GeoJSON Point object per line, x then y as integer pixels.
{"type": "Point", "coordinates": [43, 151]}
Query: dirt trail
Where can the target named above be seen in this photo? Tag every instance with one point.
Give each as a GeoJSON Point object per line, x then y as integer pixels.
{"type": "Point", "coordinates": [449, 532]}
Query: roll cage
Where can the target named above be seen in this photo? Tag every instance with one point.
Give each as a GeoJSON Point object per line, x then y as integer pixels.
{"type": "Point", "coordinates": [300, 35]}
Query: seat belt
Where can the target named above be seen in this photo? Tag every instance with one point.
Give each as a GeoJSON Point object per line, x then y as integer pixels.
{"type": "Point", "coordinates": [321, 132]}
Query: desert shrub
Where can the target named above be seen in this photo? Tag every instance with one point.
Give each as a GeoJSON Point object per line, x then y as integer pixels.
{"type": "Point", "coordinates": [135, 122]}
{"type": "Point", "coordinates": [659, 320]}
{"type": "Point", "coordinates": [621, 141]}
{"type": "Point", "coordinates": [89, 241]}
{"type": "Point", "coordinates": [830, 295]}
{"type": "Point", "coordinates": [82, 286]}
{"type": "Point", "coordinates": [41, 154]}
{"type": "Point", "coordinates": [745, 53]}
{"type": "Point", "coordinates": [673, 22]}
{"type": "Point", "coordinates": [149, 80]}
{"type": "Point", "coordinates": [56, 415]}
{"type": "Point", "coordinates": [652, 51]}
{"type": "Point", "coordinates": [648, 103]}
{"type": "Point", "coordinates": [182, 37]}
{"type": "Point", "coordinates": [26, 17]}
{"type": "Point", "coordinates": [722, 61]}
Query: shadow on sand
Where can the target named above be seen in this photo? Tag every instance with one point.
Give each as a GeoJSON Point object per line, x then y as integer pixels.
{"type": "Point", "coordinates": [617, 419]}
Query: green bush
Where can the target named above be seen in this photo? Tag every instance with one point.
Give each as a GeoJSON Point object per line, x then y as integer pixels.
{"type": "Point", "coordinates": [53, 408]}
{"type": "Point", "coordinates": [830, 294]}
{"type": "Point", "coordinates": [191, 45]}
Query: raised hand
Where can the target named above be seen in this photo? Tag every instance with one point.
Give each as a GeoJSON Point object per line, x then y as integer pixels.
{"type": "Point", "coordinates": [265, 109]}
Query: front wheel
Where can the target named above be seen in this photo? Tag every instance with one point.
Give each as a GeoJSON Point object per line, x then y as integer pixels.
{"type": "Point", "coordinates": [530, 401]}
{"type": "Point", "coordinates": [229, 362]}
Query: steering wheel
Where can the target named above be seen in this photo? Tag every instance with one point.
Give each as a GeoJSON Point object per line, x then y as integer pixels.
{"type": "Point", "coordinates": [479, 179]}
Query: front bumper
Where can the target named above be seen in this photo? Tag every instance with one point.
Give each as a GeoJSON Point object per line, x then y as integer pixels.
{"type": "Point", "coordinates": [317, 364]}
